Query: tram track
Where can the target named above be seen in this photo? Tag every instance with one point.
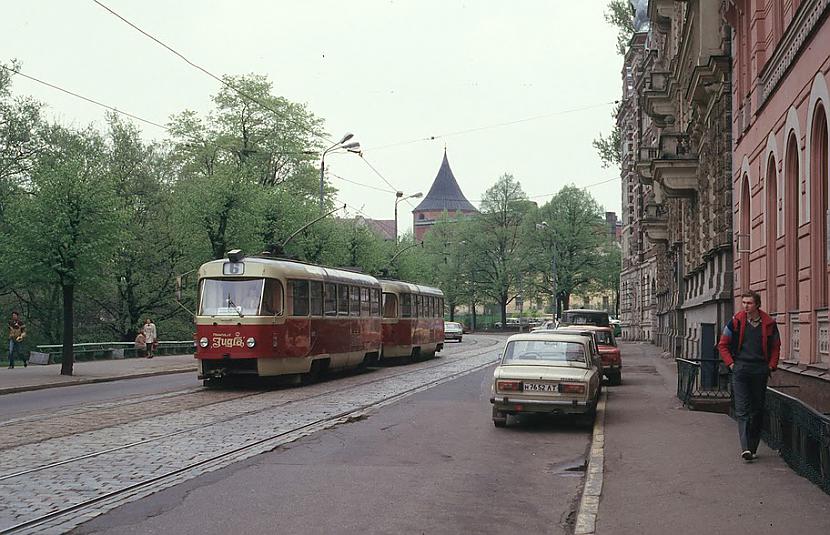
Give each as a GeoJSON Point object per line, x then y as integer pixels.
{"type": "Point", "coordinates": [28, 430]}
{"type": "Point", "coordinates": [266, 443]}
{"type": "Point", "coordinates": [434, 364]}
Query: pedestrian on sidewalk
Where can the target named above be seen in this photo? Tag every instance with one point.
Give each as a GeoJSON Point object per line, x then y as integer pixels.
{"type": "Point", "coordinates": [750, 345]}
{"type": "Point", "coordinates": [140, 345]}
{"type": "Point", "coordinates": [150, 337]}
{"type": "Point", "coordinates": [17, 333]}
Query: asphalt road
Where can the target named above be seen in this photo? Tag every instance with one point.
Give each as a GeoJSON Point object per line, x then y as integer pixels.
{"type": "Point", "coordinates": [432, 463]}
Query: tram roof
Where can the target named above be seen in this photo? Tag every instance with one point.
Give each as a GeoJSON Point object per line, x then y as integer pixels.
{"type": "Point", "coordinates": [408, 287]}
{"type": "Point", "coordinates": [281, 267]}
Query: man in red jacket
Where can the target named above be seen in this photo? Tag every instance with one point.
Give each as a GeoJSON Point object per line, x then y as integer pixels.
{"type": "Point", "coordinates": [750, 345]}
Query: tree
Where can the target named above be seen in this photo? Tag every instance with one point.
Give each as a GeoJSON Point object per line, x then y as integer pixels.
{"type": "Point", "coordinates": [621, 15]}
{"type": "Point", "coordinates": [575, 234]}
{"type": "Point", "coordinates": [493, 242]}
{"type": "Point", "coordinates": [66, 227]}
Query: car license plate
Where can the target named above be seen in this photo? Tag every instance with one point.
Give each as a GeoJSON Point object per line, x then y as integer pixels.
{"type": "Point", "coordinates": [539, 387]}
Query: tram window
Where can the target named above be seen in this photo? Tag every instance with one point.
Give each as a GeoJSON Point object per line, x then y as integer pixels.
{"type": "Point", "coordinates": [417, 312]}
{"type": "Point", "coordinates": [390, 305]}
{"type": "Point", "coordinates": [342, 300]}
{"type": "Point", "coordinates": [406, 305]}
{"type": "Point", "coordinates": [354, 301]}
{"type": "Point", "coordinates": [223, 297]}
{"type": "Point", "coordinates": [272, 298]}
{"type": "Point", "coordinates": [440, 307]}
{"type": "Point", "coordinates": [432, 307]}
{"type": "Point", "coordinates": [375, 296]}
{"type": "Point", "coordinates": [365, 305]}
{"type": "Point", "coordinates": [299, 298]}
{"type": "Point", "coordinates": [316, 298]}
{"type": "Point", "coordinates": [330, 300]}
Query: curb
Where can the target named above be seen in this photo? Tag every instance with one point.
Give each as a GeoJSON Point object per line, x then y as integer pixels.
{"type": "Point", "coordinates": [586, 518]}
{"type": "Point", "coordinates": [27, 388]}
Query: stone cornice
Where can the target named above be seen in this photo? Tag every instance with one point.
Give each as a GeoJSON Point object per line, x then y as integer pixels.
{"type": "Point", "coordinates": [805, 21]}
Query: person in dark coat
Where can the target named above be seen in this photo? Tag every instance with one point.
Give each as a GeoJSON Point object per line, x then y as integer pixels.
{"type": "Point", "coordinates": [17, 333]}
{"type": "Point", "coordinates": [750, 345]}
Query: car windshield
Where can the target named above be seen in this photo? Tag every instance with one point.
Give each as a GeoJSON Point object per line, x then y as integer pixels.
{"type": "Point", "coordinates": [605, 338]}
{"type": "Point", "coordinates": [235, 297]}
{"type": "Point", "coordinates": [451, 325]}
{"type": "Point", "coordinates": [546, 351]}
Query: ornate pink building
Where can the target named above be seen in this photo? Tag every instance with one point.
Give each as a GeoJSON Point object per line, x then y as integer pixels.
{"type": "Point", "coordinates": [781, 74]}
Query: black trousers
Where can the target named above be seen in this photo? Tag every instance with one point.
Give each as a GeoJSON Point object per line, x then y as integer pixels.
{"type": "Point", "coordinates": [749, 387]}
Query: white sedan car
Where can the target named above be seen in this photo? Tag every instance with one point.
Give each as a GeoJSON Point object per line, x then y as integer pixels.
{"type": "Point", "coordinates": [546, 373]}
{"type": "Point", "coordinates": [453, 330]}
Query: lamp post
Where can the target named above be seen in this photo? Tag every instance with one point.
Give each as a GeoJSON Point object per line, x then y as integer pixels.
{"type": "Point", "coordinates": [542, 226]}
{"type": "Point", "coordinates": [398, 198]}
{"type": "Point", "coordinates": [354, 147]}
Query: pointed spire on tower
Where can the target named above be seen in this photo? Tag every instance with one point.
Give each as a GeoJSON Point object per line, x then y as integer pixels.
{"type": "Point", "coordinates": [445, 193]}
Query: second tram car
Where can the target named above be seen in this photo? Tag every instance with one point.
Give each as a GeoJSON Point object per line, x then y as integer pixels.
{"type": "Point", "coordinates": [413, 320]}
{"type": "Point", "coordinates": [268, 316]}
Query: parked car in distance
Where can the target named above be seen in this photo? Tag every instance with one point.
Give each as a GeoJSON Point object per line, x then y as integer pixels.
{"type": "Point", "coordinates": [608, 351]}
{"type": "Point", "coordinates": [582, 316]}
{"type": "Point", "coordinates": [544, 326]}
{"type": "Point", "coordinates": [548, 373]}
{"type": "Point", "coordinates": [453, 330]}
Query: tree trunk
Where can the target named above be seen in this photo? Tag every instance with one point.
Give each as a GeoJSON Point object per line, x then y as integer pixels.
{"type": "Point", "coordinates": [68, 357]}
{"type": "Point", "coordinates": [452, 312]}
{"type": "Point", "coordinates": [473, 308]}
{"type": "Point", "coordinates": [566, 300]}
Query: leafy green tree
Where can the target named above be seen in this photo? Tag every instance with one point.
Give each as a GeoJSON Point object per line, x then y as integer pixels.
{"type": "Point", "coordinates": [67, 226]}
{"type": "Point", "coordinates": [621, 15]}
{"type": "Point", "coordinates": [493, 242]}
{"type": "Point", "coordinates": [573, 231]}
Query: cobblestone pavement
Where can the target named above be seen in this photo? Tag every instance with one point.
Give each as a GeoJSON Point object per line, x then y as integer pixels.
{"type": "Point", "coordinates": [155, 437]}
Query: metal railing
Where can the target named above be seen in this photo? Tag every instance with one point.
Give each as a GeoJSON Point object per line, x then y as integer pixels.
{"type": "Point", "coordinates": [800, 434]}
{"type": "Point", "coordinates": [706, 379]}
{"type": "Point", "coordinates": [111, 350]}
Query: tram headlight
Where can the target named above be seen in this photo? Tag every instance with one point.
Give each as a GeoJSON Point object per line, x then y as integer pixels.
{"type": "Point", "coordinates": [250, 342]}
{"type": "Point", "coordinates": [203, 342]}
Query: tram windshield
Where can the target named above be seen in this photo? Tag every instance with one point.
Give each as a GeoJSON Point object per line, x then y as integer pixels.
{"type": "Point", "coordinates": [240, 297]}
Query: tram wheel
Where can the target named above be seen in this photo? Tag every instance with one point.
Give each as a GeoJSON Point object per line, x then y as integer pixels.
{"type": "Point", "coordinates": [212, 383]}
{"type": "Point", "coordinates": [315, 374]}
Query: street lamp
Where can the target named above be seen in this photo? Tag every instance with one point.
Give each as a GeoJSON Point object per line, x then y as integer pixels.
{"type": "Point", "coordinates": [543, 226]}
{"type": "Point", "coordinates": [398, 198]}
{"type": "Point", "coordinates": [354, 147]}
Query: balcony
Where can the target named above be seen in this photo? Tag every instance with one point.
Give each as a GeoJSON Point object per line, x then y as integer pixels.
{"type": "Point", "coordinates": [659, 105]}
{"type": "Point", "coordinates": [644, 158]}
{"type": "Point", "coordinates": [655, 224]}
{"type": "Point", "coordinates": [676, 168]}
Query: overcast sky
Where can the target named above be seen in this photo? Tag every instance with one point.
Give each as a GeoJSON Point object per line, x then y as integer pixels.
{"type": "Point", "coordinates": [388, 71]}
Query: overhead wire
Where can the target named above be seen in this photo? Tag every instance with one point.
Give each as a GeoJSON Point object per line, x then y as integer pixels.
{"type": "Point", "coordinates": [491, 126]}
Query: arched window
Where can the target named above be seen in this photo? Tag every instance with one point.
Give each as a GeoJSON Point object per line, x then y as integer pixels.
{"type": "Point", "coordinates": [744, 242]}
{"type": "Point", "coordinates": [818, 180]}
{"type": "Point", "coordinates": [772, 233]}
{"type": "Point", "coordinates": [792, 177]}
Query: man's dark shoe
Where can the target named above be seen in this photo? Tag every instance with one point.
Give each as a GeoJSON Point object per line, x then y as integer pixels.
{"type": "Point", "coordinates": [746, 455]}
{"type": "Point", "coordinates": [25, 363]}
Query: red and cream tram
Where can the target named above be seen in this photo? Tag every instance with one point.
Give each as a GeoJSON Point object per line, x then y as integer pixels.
{"type": "Point", "coordinates": [413, 320]}
{"type": "Point", "coordinates": [267, 316]}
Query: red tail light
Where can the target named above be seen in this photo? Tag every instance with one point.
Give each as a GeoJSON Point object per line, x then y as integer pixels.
{"type": "Point", "coordinates": [509, 386]}
{"type": "Point", "coordinates": [572, 388]}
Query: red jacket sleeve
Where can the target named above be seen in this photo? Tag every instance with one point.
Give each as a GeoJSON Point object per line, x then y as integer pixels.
{"type": "Point", "coordinates": [775, 350]}
{"type": "Point", "coordinates": [724, 345]}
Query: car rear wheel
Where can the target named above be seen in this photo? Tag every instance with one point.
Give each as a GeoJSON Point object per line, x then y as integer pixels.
{"type": "Point", "coordinates": [499, 418]}
{"type": "Point", "coordinates": [615, 378]}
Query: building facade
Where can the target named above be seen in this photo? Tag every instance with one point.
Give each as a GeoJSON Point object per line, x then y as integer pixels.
{"type": "Point", "coordinates": [781, 73]}
{"type": "Point", "coordinates": [639, 264]}
{"type": "Point", "coordinates": [444, 196]}
{"type": "Point", "coordinates": [681, 152]}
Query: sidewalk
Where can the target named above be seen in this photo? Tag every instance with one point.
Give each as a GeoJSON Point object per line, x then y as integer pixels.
{"type": "Point", "coordinates": [671, 470]}
{"type": "Point", "coordinates": [35, 377]}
